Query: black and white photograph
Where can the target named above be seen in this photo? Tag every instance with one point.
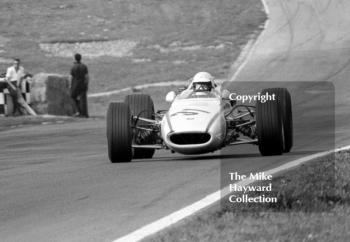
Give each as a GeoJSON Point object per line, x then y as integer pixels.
{"type": "Point", "coordinates": [174, 120]}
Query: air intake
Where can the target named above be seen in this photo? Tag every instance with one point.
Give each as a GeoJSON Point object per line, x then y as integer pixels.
{"type": "Point", "coordinates": [189, 138]}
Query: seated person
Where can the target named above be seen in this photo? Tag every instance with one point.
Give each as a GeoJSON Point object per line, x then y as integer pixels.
{"type": "Point", "coordinates": [201, 85]}
{"type": "Point", "coordinates": [202, 82]}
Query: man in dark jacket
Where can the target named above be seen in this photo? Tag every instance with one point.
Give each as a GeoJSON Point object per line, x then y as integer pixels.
{"type": "Point", "coordinates": [79, 88]}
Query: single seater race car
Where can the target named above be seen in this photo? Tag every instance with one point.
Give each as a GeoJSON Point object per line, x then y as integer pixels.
{"type": "Point", "coordinates": [201, 119]}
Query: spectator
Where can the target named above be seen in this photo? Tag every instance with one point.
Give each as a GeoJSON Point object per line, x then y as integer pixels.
{"type": "Point", "coordinates": [79, 87]}
{"type": "Point", "coordinates": [14, 76]}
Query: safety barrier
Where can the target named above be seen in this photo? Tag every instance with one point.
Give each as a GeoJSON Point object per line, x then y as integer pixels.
{"type": "Point", "coordinates": [3, 101]}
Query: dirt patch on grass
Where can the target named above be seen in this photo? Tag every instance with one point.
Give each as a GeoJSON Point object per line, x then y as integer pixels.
{"type": "Point", "coordinates": [90, 49]}
{"type": "Point", "coordinates": [179, 46]}
{"type": "Point", "coordinates": [314, 205]}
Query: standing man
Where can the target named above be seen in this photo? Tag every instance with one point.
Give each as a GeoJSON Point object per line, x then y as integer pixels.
{"type": "Point", "coordinates": [79, 87]}
{"type": "Point", "coordinates": [14, 76]}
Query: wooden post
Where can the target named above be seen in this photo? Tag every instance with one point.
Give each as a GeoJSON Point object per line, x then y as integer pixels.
{"type": "Point", "coordinates": [21, 100]}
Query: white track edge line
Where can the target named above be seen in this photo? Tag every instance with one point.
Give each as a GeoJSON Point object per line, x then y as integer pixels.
{"type": "Point", "coordinates": [209, 200]}
{"type": "Point", "coordinates": [138, 87]}
{"type": "Point", "coordinates": [144, 86]}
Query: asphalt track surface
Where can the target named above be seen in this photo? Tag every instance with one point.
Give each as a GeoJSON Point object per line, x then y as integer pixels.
{"type": "Point", "coordinates": [56, 181]}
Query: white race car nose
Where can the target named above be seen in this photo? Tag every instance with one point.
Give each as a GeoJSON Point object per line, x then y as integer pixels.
{"type": "Point", "coordinates": [192, 142]}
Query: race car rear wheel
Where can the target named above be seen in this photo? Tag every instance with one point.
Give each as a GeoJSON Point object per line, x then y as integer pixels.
{"type": "Point", "coordinates": [141, 105]}
{"type": "Point", "coordinates": [119, 133]}
{"type": "Point", "coordinates": [269, 126]}
{"type": "Point", "coordinates": [285, 104]}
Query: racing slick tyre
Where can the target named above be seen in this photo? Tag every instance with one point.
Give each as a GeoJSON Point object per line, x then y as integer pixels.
{"type": "Point", "coordinates": [141, 105]}
{"type": "Point", "coordinates": [285, 104]}
{"type": "Point", "coordinates": [119, 133]}
{"type": "Point", "coordinates": [269, 126]}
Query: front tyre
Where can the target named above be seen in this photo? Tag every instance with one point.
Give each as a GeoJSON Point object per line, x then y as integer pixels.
{"type": "Point", "coordinates": [285, 105]}
{"type": "Point", "coordinates": [141, 105]}
{"type": "Point", "coordinates": [269, 126]}
{"type": "Point", "coordinates": [119, 133]}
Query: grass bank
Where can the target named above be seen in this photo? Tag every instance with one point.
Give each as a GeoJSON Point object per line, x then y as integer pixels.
{"type": "Point", "coordinates": [8, 123]}
{"type": "Point", "coordinates": [174, 39]}
{"type": "Point", "coordinates": [313, 205]}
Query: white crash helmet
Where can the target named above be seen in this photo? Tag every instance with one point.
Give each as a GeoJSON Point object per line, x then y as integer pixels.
{"type": "Point", "coordinates": [203, 81]}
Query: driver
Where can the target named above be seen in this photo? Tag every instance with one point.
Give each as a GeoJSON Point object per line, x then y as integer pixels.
{"type": "Point", "coordinates": [202, 82]}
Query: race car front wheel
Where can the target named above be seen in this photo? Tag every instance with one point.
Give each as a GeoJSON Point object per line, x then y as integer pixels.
{"type": "Point", "coordinates": [285, 104]}
{"type": "Point", "coordinates": [269, 126]}
{"type": "Point", "coordinates": [119, 133]}
{"type": "Point", "coordinates": [141, 105]}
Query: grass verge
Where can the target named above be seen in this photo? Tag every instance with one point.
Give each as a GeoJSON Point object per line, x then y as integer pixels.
{"type": "Point", "coordinates": [8, 123]}
{"type": "Point", "coordinates": [313, 205]}
{"type": "Point", "coordinates": [174, 39]}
